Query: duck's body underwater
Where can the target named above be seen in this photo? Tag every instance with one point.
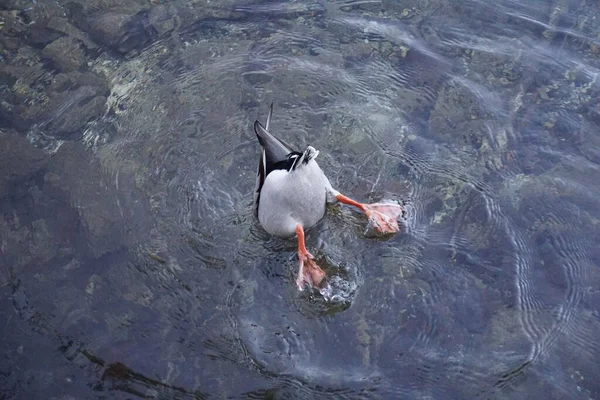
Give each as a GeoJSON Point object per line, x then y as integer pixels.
{"type": "Point", "coordinates": [291, 194]}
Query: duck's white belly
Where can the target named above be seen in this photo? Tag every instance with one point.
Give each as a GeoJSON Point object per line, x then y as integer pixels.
{"type": "Point", "coordinates": [291, 198]}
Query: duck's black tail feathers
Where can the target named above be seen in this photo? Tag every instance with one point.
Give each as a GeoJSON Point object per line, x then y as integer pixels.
{"type": "Point", "coordinates": [276, 149]}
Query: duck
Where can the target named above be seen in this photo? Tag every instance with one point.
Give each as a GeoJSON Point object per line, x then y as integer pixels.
{"type": "Point", "coordinates": [291, 195]}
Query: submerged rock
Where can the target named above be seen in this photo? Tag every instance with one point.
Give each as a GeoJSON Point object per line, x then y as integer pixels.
{"type": "Point", "coordinates": [75, 110]}
{"type": "Point", "coordinates": [120, 30]}
{"type": "Point", "coordinates": [109, 217]}
{"type": "Point", "coordinates": [66, 53]}
{"type": "Point", "coordinates": [60, 104]}
{"type": "Point", "coordinates": [20, 160]}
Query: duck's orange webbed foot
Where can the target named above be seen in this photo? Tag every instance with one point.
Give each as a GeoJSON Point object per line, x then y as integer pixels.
{"type": "Point", "coordinates": [309, 272]}
{"type": "Point", "coordinates": [382, 217]}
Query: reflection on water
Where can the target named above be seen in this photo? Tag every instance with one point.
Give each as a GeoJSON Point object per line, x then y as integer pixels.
{"type": "Point", "coordinates": [132, 264]}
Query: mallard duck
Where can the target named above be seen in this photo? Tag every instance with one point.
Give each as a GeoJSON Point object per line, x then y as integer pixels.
{"type": "Point", "coordinates": [291, 194]}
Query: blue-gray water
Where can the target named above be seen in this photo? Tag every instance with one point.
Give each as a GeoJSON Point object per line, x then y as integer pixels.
{"type": "Point", "coordinates": [131, 263]}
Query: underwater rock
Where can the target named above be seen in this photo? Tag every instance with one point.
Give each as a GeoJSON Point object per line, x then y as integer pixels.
{"type": "Point", "coordinates": [14, 4]}
{"type": "Point", "coordinates": [12, 30]}
{"type": "Point", "coordinates": [110, 217]}
{"type": "Point", "coordinates": [66, 53]}
{"type": "Point", "coordinates": [164, 19]}
{"type": "Point", "coordinates": [32, 227]}
{"type": "Point", "coordinates": [61, 24]}
{"type": "Point", "coordinates": [61, 104]}
{"type": "Point", "coordinates": [20, 160]}
{"type": "Point", "coordinates": [16, 239]}
{"type": "Point", "coordinates": [32, 19]}
{"type": "Point", "coordinates": [25, 81]}
{"type": "Point", "coordinates": [75, 110]}
{"type": "Point", "coordinates": [88, 196]}
{"type": "Point", "coordinates": [44, 244]}
{"type": "Point", "coordinates": [460, 114]}
{"type": "Point", "coordinates": [121, 30]}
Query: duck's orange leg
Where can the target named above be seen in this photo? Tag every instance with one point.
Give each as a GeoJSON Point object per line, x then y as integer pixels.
{"type": "Point", "coordinates": [309, 272]}
{"type": "Point", "coordinates": [383, 217]}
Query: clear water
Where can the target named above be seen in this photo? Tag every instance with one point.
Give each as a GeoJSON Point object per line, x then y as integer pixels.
{"type": "Point", "coordinates": [134, 268]}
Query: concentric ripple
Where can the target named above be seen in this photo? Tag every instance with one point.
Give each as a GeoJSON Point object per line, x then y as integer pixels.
{"type": "Point", "coordinates": [150, 276]}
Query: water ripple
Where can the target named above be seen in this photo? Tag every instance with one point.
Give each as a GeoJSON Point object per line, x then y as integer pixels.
{"type": "Point", "coordinates": [481, 118]}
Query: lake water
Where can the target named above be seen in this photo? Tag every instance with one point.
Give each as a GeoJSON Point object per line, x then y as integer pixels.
{"type": "Point", "coordinates": [132, 265]}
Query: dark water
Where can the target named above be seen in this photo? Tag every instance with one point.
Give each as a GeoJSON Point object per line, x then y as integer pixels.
{"type": "Point", "coordinates": [131, 264]}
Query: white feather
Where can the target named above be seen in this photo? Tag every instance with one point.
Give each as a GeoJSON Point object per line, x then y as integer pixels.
{"type": "Point", "coordinates": [291, 198]}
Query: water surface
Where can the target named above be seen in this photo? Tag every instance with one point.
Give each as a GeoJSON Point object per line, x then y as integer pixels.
{"type": "Point", "coordinates": [132, 266]}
